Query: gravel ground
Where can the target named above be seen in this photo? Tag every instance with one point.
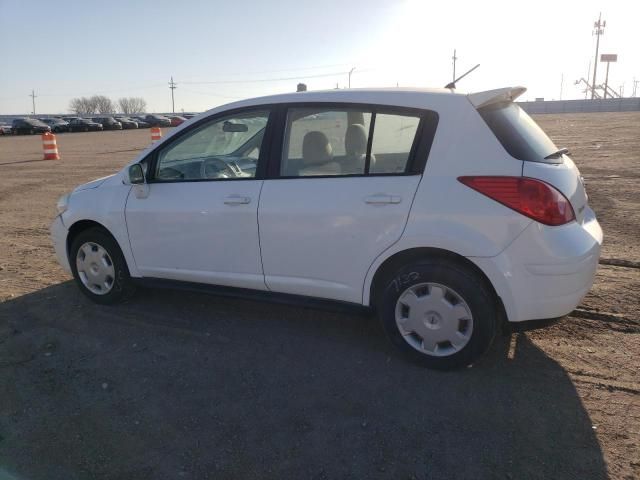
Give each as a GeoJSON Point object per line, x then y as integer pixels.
{"type": "Point", "coordinates": [185, 385]}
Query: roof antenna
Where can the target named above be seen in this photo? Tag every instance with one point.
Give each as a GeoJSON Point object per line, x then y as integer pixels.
{"type": "Point", "coordinates": [453, 84]}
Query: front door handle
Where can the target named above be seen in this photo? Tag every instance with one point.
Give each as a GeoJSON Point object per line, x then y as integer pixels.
{"type": "Point", "coordinates": [382, 199]}
{"type": "Point", "coordinates": [236, 200]}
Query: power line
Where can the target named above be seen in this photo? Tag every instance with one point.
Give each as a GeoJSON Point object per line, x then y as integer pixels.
{"type": "Point", "coordinates": [213, 94]}
{"type": "Point", "coordinates": [261, 80]}
{"type": "Point", "coordinates": [260, 72]}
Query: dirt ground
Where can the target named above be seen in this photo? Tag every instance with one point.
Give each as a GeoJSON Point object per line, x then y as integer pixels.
{"type": "Point", "coordinates": [186, 385]}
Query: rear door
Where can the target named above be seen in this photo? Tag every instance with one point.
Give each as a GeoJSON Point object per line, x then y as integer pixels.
{"type": "Point", "coordinates": [341, 184]}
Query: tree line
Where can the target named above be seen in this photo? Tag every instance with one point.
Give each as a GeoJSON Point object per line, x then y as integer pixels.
{"type": "Point", "coordinates": [102, 104]}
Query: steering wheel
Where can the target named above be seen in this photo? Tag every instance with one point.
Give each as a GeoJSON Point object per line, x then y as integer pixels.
{"type": "Point", "coordinates": [215, 168]}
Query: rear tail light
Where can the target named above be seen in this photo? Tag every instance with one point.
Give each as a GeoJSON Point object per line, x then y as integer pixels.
{"type": "Point", "coordinates": [534, 198]}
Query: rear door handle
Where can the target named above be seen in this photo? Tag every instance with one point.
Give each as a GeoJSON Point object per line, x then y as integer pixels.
{"type": "Point", "coordinates": [382, 199]}
{"type": "Point", "coordinates": [236, 200]}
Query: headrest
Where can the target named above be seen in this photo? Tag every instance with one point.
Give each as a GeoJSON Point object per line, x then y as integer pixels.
{"type": "Point", "coordinates": [316, 148]}
{"type": "Point", "coordinates": [355, 140]}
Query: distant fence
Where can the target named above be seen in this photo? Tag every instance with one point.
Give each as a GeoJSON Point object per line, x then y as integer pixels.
{"type": "Point", "coordinates": [578, 106]}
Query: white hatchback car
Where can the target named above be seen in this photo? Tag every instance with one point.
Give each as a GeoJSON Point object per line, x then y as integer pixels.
{"type": "Point", "coordinates": [446, 213]}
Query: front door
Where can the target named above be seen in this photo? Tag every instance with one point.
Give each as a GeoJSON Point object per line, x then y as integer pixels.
{"type": "Point", "coordinates": [196, 218]}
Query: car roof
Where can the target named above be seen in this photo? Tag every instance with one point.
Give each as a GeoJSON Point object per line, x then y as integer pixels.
{"type": "Point", "coordinates": [382, 96]}
{"type": "Point", "coordinates": [392, 96]}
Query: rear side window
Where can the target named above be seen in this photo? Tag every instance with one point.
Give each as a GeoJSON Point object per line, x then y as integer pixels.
{"type": "Point", "coordinates": [393, 138]}
{"type": "Point", "coordinates": [350, 141]}
{"type": "Point", "coordinates": [517, 132]}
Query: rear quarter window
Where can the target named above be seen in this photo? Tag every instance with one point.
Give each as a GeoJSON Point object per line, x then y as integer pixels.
{"type": "Point", "coordinates": [520, 136]}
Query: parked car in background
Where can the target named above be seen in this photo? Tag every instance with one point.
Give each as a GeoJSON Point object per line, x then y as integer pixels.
{"type": "Point", "coordinates": [447, 214]}
{"type": "Point", "coordinates": [28, 126]}
{"type": "Point", "coordinates": [142, 123]}
{"type": "Point", "coordinates": [189, 115]}
{"type": "Point", "coordinates": [5, 128]}
{"type": "Point", "coordinates": [177, 120]}
{"type": "Point", "coordinates": [57, 125]}
{"type": "Point", "coordinates": [84, 125]}
{"type": "Point", "coordinates": [108, 123]}
{"type": "Point", "coordinates": [127, 123]}
{"type": "Point", "coordinates": [157, 120]}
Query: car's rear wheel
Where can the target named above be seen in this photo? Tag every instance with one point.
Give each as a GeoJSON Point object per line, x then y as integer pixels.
{"type": "Point", "coordinates": [439, 313]}
{"type": "Point", "coordinates": [99, 267]}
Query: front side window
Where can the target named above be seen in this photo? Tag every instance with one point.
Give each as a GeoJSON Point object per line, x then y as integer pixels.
{"type": "Point", "coordinates": [225, 148]}
{"type": "Point", "coordinates": [343, 142]}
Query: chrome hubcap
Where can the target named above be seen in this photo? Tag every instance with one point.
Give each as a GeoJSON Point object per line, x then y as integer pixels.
{"type": "Point", "coordinates": [95, 268]}
{"type": "Point", "coordinates": [434, 319]}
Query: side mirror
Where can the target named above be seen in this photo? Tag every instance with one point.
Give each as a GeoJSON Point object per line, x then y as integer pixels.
{"type": "Point", "coordinates": [136, 174]}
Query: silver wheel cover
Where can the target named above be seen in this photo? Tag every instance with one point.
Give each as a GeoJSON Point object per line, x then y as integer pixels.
{"type": "Point", "coordinates": [95, 268]}
{"type": "Point", "coordinates": [434, 319]}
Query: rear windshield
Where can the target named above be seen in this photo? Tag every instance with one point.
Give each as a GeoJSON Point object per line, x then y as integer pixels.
{"type": "Point", "coordinates": [517, 132]}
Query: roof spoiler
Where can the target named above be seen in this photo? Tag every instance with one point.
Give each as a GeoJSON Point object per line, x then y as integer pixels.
{"type": "Point", "coordinates": [507, 94]}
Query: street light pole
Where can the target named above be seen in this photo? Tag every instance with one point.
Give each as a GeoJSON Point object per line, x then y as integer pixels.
{"type": "Point", "coordinates": [350, 72]}
{"type": "Point", "coordinates": [454, 58]}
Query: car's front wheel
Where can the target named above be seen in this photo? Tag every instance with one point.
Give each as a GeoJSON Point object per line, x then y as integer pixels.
{"type": "Point", "coordinates": [99, 267]}
{"type": "Point", "coordinates": [440, 313]}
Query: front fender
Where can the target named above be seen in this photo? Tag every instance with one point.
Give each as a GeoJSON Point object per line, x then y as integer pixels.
{"type": "Point", "coordinates": [104, 205]}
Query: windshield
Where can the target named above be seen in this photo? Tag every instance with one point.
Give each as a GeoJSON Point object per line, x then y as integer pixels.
{"type": "Point", "coordinates": [517, 132]}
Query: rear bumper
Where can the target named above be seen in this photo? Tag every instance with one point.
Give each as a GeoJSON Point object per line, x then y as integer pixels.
{"type": "Point", "coordinates": [59, 239]}
{"type": "Point", "coordinates": [546, 272]}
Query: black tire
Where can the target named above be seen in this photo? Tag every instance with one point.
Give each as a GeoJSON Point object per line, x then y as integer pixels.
{"type": "Point", "coordinates": [123, 286]}
{"type": "Point", "coordinates": [461, 279]}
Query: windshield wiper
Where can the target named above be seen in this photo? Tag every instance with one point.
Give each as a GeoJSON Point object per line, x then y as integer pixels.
{"type": "Point", "coordinates": [558, 154]}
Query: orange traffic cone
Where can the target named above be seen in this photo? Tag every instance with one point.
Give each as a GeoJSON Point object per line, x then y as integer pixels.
{"type": "Point", "coordinates": [156, 134]}
{"type": "Point", "coordinates": [50, 147]}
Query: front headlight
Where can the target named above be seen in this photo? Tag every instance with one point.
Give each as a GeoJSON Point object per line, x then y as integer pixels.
{"type": "Point", "coordinates": [63, 203]}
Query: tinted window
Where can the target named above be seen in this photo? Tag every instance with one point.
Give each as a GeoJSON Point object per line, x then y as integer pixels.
{"type": "Point", "coordinates": [335, 142]}
{"type": "Point", "coordinates": [393, 137]}
{"type": "Point", "coordinates": [225, 148]}
{"type": "Point", "coordinates": [325, 142]}
{"type": "Point", "coordinates": [517, 132]}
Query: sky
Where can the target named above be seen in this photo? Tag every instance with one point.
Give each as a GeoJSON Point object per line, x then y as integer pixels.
{"type": "Point", "coordinates": [220, 51]}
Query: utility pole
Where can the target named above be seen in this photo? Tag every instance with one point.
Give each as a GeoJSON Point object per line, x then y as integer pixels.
{"type": "Point", "coordinates": [598, 30]}
{"type": "Point", "coordinates": [454, 58]}
{"type": "Point", "coordinates": [561, 84]}
{"type": "Point", "coordinates": [33, 101]}
{"type": "Point", "coordinates": [350, 72]}
{"type": "Point", "coordinates": [173, 85]}
{"type": "Point", "coordinates": [635, 86]}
